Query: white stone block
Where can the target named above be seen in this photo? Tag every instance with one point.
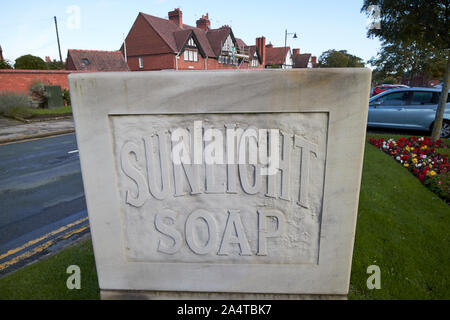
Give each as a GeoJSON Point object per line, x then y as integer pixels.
{"type": "Point", "coordinates": [228, 227]}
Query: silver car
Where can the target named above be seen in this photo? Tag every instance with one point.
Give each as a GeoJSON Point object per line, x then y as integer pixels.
{"type": "Point", "coordinates": [409, 108]}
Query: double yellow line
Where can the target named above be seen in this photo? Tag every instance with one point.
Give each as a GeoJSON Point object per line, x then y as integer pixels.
{"type": "Point", "coordinates": [43, 246]}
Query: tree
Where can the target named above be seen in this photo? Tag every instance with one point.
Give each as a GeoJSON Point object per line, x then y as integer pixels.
{"type": "Point", "coordinates": [30, 62]}
{"type": "Point", "coordinates": [5, 64]}
{"type": "Point", "coordinates": [339, 59]}
{"type": "Point", "coordinates": [401, 61]}
{"type": "Point", "coordinates": [424, 23]}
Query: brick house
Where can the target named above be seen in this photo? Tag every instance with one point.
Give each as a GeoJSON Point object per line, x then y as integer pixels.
{"type": "Point", "coordinates": [154, 43]}
{"type": "Point", "coordinates": [94, 60]}
{"type": "Point", "coordinates": [303, 60]}
{"type": "Point", "coordinates": [278, 57]}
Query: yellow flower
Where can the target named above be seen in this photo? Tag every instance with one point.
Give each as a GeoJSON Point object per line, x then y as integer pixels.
{"type": "Point", "coordinates": [432, 173]}
{"type": "Point", "coordinates": [406, 165]}
{"type": "Point", "coordinates": [415, 160]}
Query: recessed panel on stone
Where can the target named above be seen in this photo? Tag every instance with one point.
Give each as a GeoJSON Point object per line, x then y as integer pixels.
{"type": "Point", "coordinates": [226, 216]}
{"type": "Point", "coordinates": [232, 184]}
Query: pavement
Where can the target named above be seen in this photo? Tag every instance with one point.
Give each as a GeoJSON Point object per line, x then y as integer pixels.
{"type": "Point", "coordinates": [13, 130]}
{"type": "Point", "coordinates": [42, 202]}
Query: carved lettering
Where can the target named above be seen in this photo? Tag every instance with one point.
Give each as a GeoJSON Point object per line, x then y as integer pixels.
{"type": "Point", "coordinates": [134, 174]}
{"type": "Point", "coordinates": [308, 149]}
{"type": "Point", "coordinates": [169, 231]}
{"type": "Point", "coordinates": [264, 233]}
{"type": "Point", "coordinates": [191, 224]}
{"type": "Point", "coordinates": [234, 234]}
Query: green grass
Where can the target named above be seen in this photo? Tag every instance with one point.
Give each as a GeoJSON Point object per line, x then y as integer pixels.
{"type": "Point", "coordinates": [29, 113]}
{"type": "Point", "coordinates": [402, 227]}
{"type": "Point", "coordinates": [46, 280]}
{"type": "Point", "coordinates": [58, 111]}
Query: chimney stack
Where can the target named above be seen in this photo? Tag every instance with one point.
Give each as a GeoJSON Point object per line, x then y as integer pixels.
{"type": "Point", "coordinates": [47, 59]}
{"type": "Point", "coordinates": [204, 23]}
{"type": "Point", "coordinates": [176, 16]}
{"type": "Point", "coordinates": [261, 47]}
{"type": "Point", "coordinates": [270, 45]}
{"type": "Point", "coordinates": [295, 52]}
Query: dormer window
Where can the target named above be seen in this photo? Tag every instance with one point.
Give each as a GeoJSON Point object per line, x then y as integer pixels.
{"type": "Point", "coordinates": [85, 61]}
{"type": "Point", "coordinates": [191, 52]}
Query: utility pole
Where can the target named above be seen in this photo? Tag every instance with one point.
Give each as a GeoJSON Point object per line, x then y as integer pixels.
{"type": "Point", "coordinates": [57, 36]}
{"type": "Point", "coordinates": [125, 48]}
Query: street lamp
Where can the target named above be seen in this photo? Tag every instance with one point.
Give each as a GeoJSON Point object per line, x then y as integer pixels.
{"type": "Point", "coordinates": [285, 43]}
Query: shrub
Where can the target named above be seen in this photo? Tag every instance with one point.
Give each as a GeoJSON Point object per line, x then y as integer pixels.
{"type": "Point", "coordinates": [13, 104]}
{"type": "Point", "coordinates": [38, 94]}
{"type": "Point", "coordinates": [66, 97]}
{"type": "Point", "coordinates": [30, 62]}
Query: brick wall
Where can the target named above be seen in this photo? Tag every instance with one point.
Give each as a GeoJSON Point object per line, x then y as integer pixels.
{"type": "Point", "coordinates": [153, 62]}
{"type": "Point", "coordinates": [20, 80]}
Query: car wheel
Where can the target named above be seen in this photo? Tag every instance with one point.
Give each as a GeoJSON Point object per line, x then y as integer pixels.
{"type": "Point", "coordinates": [445, 131]}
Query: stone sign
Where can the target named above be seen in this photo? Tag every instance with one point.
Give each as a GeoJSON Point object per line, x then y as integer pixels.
{"type": "Point", "coordinates": [222, 184]}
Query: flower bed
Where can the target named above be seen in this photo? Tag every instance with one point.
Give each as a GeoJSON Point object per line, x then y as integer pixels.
{"type": "Point", "coordinates": [419, 156]}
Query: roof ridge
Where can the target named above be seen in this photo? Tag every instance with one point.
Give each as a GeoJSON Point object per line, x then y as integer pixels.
{"type": "Point", "coordinates": [79, 50]}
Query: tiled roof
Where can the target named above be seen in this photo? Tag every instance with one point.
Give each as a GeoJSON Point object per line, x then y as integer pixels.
{"type": "Point", "coordinates": [217, 37]}
{"type": "Point", "coordinates": [174, 36]}
{"type": "Point", "coordinates": [181, 37]}
{"type": "Point", "coordinates": [240, 43]}
{"type": "Point", "coordinates": [276, 55]}
{"type": "Point", "coordinates": [201, 37]}
{"type": "Point", "coordinates": [98, 60]}
{"type": "Point", "coordinates": [301, 60]}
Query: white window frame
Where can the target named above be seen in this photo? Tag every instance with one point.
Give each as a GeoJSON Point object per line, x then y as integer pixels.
{"type": "Point", "coordinates": [191, 55]}
{"type": "Point", "coordinates": [141, 62]}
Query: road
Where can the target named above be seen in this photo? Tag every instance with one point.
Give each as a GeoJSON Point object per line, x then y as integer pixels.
{"type": "Point", "coordinates": [42, 203]}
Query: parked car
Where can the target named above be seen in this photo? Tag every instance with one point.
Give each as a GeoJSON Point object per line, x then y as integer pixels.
{"type": "Point", "coordinates": [408, 108]}
{"type": "Point", "coordinates": [384, 87]}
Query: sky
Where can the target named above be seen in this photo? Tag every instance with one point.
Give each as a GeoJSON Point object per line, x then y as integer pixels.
{"type": "Point", "coordinates": [27, 27]}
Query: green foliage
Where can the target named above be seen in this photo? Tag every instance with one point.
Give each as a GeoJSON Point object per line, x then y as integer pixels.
{"type": "Point", "coordinates": [339, 59]}
{"type": "Point", "coordinates": [12, 104]}
{"type": "Point", "coordinates": [66, 97]}
{"type": "Point", "coordinates": [424, 22]}
{"type": "Point", "coordinates": [380, 77]}
{"type": "Point", "coordinates": [5, 64]}
{"type": "Point", "coordinates": [56, 65]}
{"type": "Point", "coordinates": [398, 60]}
{"type": "Point", "coordinates": [30, 62]}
